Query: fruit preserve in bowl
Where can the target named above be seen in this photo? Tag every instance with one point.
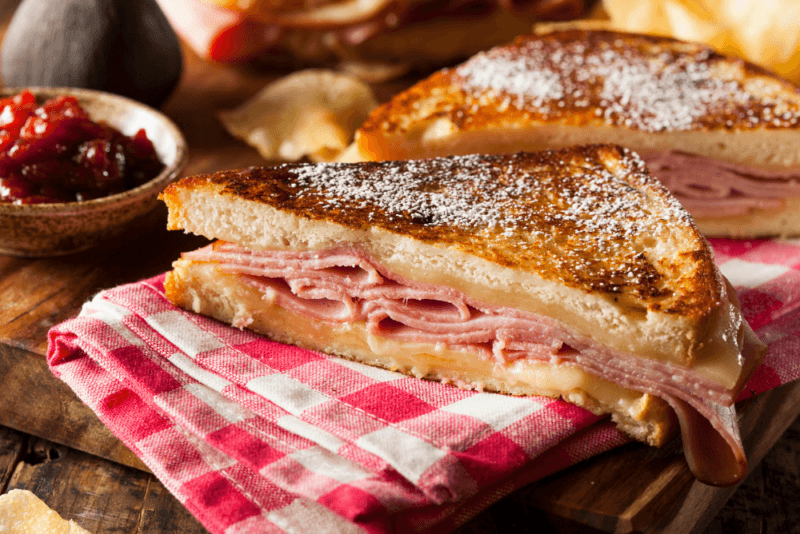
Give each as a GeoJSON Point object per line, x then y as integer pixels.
{"type": "Point", "coordinates": [78, 166]}
{"type": "Point", "coordinates": [54, 152]}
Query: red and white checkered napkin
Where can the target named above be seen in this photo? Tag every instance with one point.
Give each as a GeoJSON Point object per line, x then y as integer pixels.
{"type": "Point", "coordinates": [255, 436]}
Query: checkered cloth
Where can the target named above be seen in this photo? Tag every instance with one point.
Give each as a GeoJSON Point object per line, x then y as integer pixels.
{"type": "Point", "coordinates": [255, 436]}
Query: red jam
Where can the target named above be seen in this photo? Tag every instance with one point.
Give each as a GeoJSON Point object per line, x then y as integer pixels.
{"type": "Point", "coordinates": [56, 153]}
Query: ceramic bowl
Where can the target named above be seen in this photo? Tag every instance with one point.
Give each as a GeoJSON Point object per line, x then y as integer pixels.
{"type": "Point", "coordinates": [41, 230]}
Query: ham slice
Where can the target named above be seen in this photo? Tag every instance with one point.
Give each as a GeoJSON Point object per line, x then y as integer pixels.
{"type": "Point", "coordinates": [343, 284]}
{"type": "Point", "coordinates": [712, 188]}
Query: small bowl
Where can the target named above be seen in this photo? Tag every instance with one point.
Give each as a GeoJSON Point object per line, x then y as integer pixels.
{"type": "Point", "coordinates": [57, 229]}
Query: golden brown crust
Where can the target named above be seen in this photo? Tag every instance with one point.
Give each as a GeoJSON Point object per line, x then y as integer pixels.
{"type": "Point", "coordinates": [596, 77]}
{"type": "Point", "coordinates": [586, 217]}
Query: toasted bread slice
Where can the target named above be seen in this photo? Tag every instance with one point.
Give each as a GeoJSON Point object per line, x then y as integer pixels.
{"type": "Point", "coordinates": [655, 95]}
{"type": "Point", "coordinates": [570, 273]}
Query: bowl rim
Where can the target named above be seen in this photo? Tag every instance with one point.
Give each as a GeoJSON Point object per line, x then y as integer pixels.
{"type": "Point", "coordinates": [164, 178]}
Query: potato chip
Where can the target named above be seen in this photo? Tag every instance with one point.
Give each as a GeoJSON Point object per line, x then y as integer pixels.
{"type": "Point", "coordinates": [351, 154]}
{"type": "Point", "coordinates": [766, 33]}
{"type": "Point", "coordinates": [311, 113]}
{"type": "Point", "coordinates": [22, 512]}
{"type": "Point", "coordinates": [375, 71]}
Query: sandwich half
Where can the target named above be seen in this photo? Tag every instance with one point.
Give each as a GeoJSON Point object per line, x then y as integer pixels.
{"type": "Point", "coordinates": [722, 134]}
{"type": "Point", "coordinates": [570, 274]}
{"type": "Point", "coordinates": [379, 39]}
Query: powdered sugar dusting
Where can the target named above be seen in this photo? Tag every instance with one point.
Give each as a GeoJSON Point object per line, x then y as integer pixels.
{"type": "Point", "coordinates": [630, 83]}
{"type": "Point", "coordinates": [508, 195]}
{"type": "Point", "coordinates": [514, 75]}
{"type": "Point", "coordinates": [459, 191]}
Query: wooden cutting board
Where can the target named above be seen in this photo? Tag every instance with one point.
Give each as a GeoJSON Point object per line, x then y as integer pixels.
{"type": "Point", "coordinates": [631, 489]}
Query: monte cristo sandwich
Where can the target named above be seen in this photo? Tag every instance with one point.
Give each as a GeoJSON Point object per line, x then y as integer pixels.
{"type": "Point", "coordinates": [722, 134]}
{"type": "Point", "coordinates": [570, 274]}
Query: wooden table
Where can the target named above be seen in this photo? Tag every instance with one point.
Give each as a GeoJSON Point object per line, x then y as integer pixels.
{"type": "Point", "coordinates": [53, 445]}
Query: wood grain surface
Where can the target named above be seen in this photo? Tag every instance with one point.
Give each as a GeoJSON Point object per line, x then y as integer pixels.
{"type": "Point", "coordinates": [53, 445]}
{"type": "Point", "coordinates": [101, 496]}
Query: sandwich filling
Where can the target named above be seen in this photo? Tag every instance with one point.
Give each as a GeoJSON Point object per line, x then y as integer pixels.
{"type": "Point", "coordinates": [711, 188]}
{"type": "Point", "coordinates": [344, 285]}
